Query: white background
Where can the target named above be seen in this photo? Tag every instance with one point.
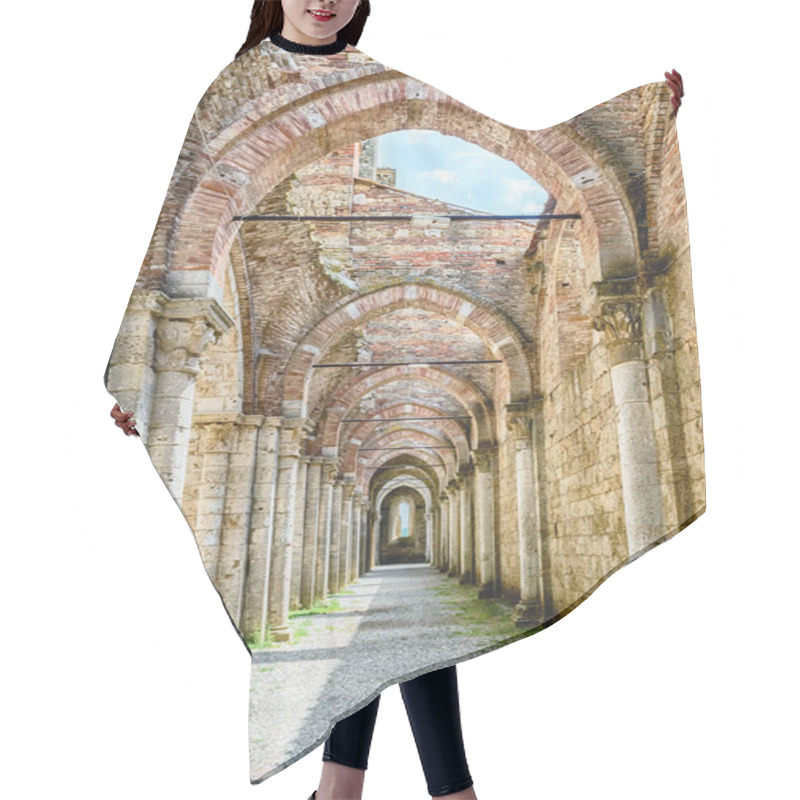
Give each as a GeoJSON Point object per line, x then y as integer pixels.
{"type": "Point", "coordinates": [122, 676]}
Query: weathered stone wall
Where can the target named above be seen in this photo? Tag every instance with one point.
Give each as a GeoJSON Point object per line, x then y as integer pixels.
{"type": "Point", "coordinates": [671, 349]}
{"type": "Point", "coordinates": [586, 523]}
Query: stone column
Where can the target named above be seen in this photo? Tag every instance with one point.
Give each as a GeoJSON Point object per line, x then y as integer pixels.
{"type": "Point", "coordinates": [641, 486]}
{"type": "Point", "coordinates": [298, 540]}
{"type": "Point", "coordinates": [485, 501]}
{"type": "Point", "coordinates": [336, 537]}
{"type": "Point", "coordinates": [444, 532]}
{"type": "Point", "coordinates": [529, 611]}
{"type": "Point", "coordinates": [430, 545]}
{"type": "Point", "coordinates": [376, 539]}
{"type": "Point", "coordinates": [206, 487]}
{"type": "Point", "coordinates": [453, 557]}
{"type": "Point", "coordinates": [185, 327]}
{"type": "Point", "coordinates": [256, 592]}
{"type": "Point", "coordinates": [465, 513]}
{"type": "Point", "coordinates": [364, 547]}
{"type": "Point", "coordinates": [311, 537]}
{"type": "Point", "coordinates": [346, 553]}
{"type": "Point", "coordinates": [292, 434]}
{"type": "Point", "coordinates": [130, 376]}
{"type": "Point", "coordinates": [330, 469]}
{"type": "Point", "coordinates": [358, 515]}
{"type": "Point", "coordinates": [235, 536]}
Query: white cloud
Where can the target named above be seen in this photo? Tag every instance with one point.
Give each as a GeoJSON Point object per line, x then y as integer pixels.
{"type": "Point", "coordinates": [448, 176]}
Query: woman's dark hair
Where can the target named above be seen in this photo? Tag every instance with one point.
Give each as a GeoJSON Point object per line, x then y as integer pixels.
{"type": "Point", "coordinates": [266, 18]}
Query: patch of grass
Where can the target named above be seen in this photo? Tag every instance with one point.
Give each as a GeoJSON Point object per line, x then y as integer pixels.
{"type": "Point", "coordinates": [298, 622]}
{"type": "Point", "coordinates": [474, 617]}
{"type": "Point", "coordinates": [320, 608]}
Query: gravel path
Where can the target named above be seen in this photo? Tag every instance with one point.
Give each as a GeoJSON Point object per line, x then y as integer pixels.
{"type": "Point", "coordinates": [399, 622]}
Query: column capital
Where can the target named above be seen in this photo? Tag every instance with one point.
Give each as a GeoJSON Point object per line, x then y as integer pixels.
{"type": "Point", "coordinates": [621, 322]}
{"type": "Point", "coordinates": [294, 432]}
{"type": "Point", "coordinates": [331, 466]}
{"type": "Point", "coordinates": [444, 497]}
{"type": "Point", "coordinates": [454, 484]}
{"type": "Point", "coordinates": [519, 421]}
{"type": "Point", "coordinates": [483, 459]}
{"type": "Point", "coordinates": [185, 327]}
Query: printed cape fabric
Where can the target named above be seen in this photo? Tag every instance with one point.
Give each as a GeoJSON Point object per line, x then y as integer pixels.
{"type": "Point", "coordinates": [418, 380]}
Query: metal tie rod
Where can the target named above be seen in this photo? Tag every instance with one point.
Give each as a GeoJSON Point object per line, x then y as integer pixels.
{"type": "Point", "coordinates": [408, 363]}
{"type": "Point", "coordinates": [411, 447]}
{"type": "Point", "coordinates": [405, 466]}
{"type": "Point", "coordinates": [398, 419]}
{"type": "Point", "coordinates": [401, 218]}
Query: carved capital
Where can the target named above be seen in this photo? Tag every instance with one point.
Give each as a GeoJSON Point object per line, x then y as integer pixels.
{"type": "Point", "coordinates": [330, 468]}
{"type": "Point", "coordinates": [622, 324]}
{"type": "Point", "coordinates": [185, 328]}
{"type": "Point", "coordinates": [519, 421]}
{"type": "Point", "coordinates": [483, 460]}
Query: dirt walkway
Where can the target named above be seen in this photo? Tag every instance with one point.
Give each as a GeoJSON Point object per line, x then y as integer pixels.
{"type": "Point", "coordinates": [393, 624]}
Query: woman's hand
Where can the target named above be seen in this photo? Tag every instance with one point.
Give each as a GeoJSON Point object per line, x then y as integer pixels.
{"type": "Point", "coordinates": [675, 82]}
{"type": "Point", "coordinates": [124, 420]}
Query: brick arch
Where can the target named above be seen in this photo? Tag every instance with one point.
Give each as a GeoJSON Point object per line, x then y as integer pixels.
{"type": "Point", "coordinates": [468, 396]}
{"type": "Point", "coordinates": [400, 482]}
{"type": "Point", "coordinates": [425, 457]}
{"type": "Point", "coordinates": [407, 430]}
{"type": "Point", "coordinates": [499, 334]}
{"type": "Point", "coordinates": [419, 468]}
{"type": "Point", "coordinates": [255, 153]}
{"type": "Point", "coordinates": [448, 429]}
{"type": "Point", "coordinates": [399, 438]}
{"type": "Point", "coordinates": [370, 488]}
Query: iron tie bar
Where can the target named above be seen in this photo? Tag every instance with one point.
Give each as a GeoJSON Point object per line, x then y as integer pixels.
{"type": "Point", "coordinates": [408, 363]}
{"type": "Point", "coordinates": [400, 419]}
{"type": "Point", "coordinates": [400, 218]}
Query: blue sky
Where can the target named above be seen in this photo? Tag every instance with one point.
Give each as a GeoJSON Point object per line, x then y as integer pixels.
{"type": "Point", "coordinates": [454, 171]}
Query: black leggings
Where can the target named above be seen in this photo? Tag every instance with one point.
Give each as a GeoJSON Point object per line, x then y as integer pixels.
{"type": "Point", "coordinates": [433, 711]}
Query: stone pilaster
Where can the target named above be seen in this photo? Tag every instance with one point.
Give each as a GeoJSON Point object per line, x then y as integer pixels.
{"type": "Point", "coordinates": [311, 538]}
{"type": "Point", "coordinates": [185, 328]}
{"type": "Point", "coordinates": [621, 321]}
{"type": "Point", "coordinates": [529, 611]}
{"type": "Point", "coordinates": [485, 516]}
{"type": "Point", "coordinates": [254, 621]}
{"type": "Point", "coordinates": [292, 434]}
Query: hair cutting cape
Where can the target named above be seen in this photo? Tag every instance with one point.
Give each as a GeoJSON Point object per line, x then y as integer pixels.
{"type": "Point", "coordinates": [418, 380]}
